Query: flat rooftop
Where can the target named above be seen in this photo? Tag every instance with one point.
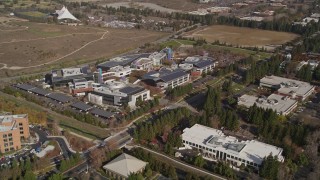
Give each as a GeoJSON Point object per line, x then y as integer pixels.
{"type": "Point", "coordinates": [253, 151]}
{"type": "Point", "coordinates": [278, 103]}
{"type": "Point", "coordinates": [288, 86]}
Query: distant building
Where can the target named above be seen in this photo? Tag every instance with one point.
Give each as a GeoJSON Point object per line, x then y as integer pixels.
{"type": "Point", "coordinates": [13, 128]}
{"type": "Point", "coordinates": [64, 14]}
{"type": "Point", "coordinates": [115, 71]}
{"type": "Point", "coordinates": [165, 78]}
{"type": "Point", "coordinates": [288, 87]}
{"type": "Point", "coordinates": [312, 63]}
{"type": "Point", "coordinates": [119, 93]}
{"type": "Point", "coordinates": [158, 57]}
{"type": "Point", "coordinates": [198, 65]}
{"type": "Point", "coordinates": [207, 1]}
{"type": "Point", "coordinates": [121, 61]}
{"type": "Point", "coordinates": [64, 76]}
{"type": "Point", "coordinates": [80, 86]}
{"type": "Point", "coordinates": [252, 18]}
{"type": "Point", "coordinates": [123, 166]}
{"type": "Point", "coordinates": [144, 64]}
{"type": "Point", "coordinates": [215, 145]}
{"type": "Point", "coordinates": [283, 105]}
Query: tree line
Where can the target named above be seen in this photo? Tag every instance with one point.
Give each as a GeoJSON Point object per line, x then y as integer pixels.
{"type": "Point", "coordinates": [275, 130]}
{"type": "Point", "coordinates": [145, 107]}
{"type": "Point", "coordinates": [262, 68]}
{"type": "Point", "coordinates": [178, 91]}
{"type": "Point", "coordinates": [69, 163]}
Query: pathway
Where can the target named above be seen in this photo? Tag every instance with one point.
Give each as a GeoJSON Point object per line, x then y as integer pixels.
{"type": "Point", "coordinates": [69, 54]}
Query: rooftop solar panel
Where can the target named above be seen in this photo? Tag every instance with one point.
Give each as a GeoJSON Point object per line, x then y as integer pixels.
{"type": "Point", "coordinates": [40, 91]}
{"type": "Point", "coordinates": [102, 113]}
{"type": "Point", "coordinates": [131, 90]}
{"type": "Point", "coordinates": [60, 97]}
{"type": "Point", "coordinates": [25, 87]}
{"type": "Point", "coordinates": [82, 106]}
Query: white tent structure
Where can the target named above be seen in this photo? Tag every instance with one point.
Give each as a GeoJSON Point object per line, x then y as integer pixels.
{"type": "Point", "coordinates": [65, 14]}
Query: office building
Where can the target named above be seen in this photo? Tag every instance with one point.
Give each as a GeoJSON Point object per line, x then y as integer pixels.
{"type": "Point", "coordinates": [13, 129]}
{"type": "Point", "coordinates": [283, 105]}
{"type": "Point", "coordinates": [288, 87]}
{"type": "Point", "coordinates": [215, 145]}
{"type": "Point", "coordinates": [165, 78]}
{"type": "Point", "coordinates": [80, 86]}
{"type": "Point", "coordinates": [198, 65]}
{"type": "Point", "coordinates": [119, 93]}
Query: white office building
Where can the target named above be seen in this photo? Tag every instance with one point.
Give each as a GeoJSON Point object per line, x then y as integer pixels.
{"type": "Point", "coordinates": [288, 87]}
{"type": "Point", "coordinates": [283, 105]}
{"type": "Point", "coordinates": [118, 93]}
{"type": "Point", "coordinates": [214, 144]}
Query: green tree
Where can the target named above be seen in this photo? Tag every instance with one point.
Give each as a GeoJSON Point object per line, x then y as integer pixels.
{"type": "Point", "coordinates": [135, 176]}
{"type": "Point", "coordinates": [29, 175]}
{"type": "Point", "coordinates": [270, 167]}
{"type": "Point", "coordinates": [58, 176]}
{"type": "Point", "coordinates": [199, 161]}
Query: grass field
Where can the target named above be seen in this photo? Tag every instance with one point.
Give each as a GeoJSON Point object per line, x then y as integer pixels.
{"type": "Point", "coordinates": [26, 45]}
{"type": "Point", "coordinates": [33, 14]}
{"type": "Point", "coordinates": [242, 36]}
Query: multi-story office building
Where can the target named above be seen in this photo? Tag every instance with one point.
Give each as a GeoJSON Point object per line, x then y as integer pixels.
{"type": "Point", "coordinates": [215, 145]}
{"type": "Point", "coordinates": [288, 87]}
{"type": "Point", "coordinates": [13, 128]}
{"type": "Point", "coordinates": [283, 105]}
{"type": "Point", "coordinates": [166, 78]}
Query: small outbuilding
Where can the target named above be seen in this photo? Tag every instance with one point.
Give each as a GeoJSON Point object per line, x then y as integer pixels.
{"type": "Point", "coordinates": [124, 165]}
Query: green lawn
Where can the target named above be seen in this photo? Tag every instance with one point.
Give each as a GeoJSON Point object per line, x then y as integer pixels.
{"type": "Point", "coordinates": [172, 44]}
{"type": "Point", "coordinates": [256, 55]}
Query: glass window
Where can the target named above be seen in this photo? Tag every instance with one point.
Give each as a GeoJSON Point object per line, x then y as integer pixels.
{"type": "Point", "coordinates": [11, 143]}
{"type": "Point", "coordinates": [10, 134]}
{"type": "Point", "coordinates": [5, 144]}
{"type": "Point", "coordinates": [4, 136]}
{"type": "Point", "coordinates": [21, 132]}
{"type": "Point", "coordinates": [10, 139]}
{"type": "Point", "coordinates": [20, 124]}
{"type": "Point", "coordinates": [11, 149]}
{"type": "Point", "coordinates": [6, 150]}
{"type": "Point", "coordinates": [5, 140]}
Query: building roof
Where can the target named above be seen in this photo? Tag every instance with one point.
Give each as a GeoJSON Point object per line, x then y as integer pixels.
{"type": "Point", "coordinates": [125, 165]}
{"type": "Point", "coordinates": [60, 97]}
{"type": "Point", "coordinates": [203, 63]}
{"type": "Point", "coordinates": [130, 90]}
{"type": "Point", "coordinates": [278, 103]}
{"type": "Point", "coordinates": [102, 113]}
{"type": "Point", "coordinates": [82, 106]}
{"type": "Point", "coordinates": [40, 91]}
{"type": "Point", "coordinates": [25, 87]}
{"type": "Point", "coordinates": [173, 75]}
{"type": "Point", "coordinates": [288, 86]}
{"type": "Point", "coordinates": [252, 151]}
{"type": "Point", "coordinates": [164, 75]}
{"type": "Point", "coordinates": [65, 14]}
{"type": "Point", "coordinates": [122, 60]}
{"type": "Point", "coordinates": [5, 119]}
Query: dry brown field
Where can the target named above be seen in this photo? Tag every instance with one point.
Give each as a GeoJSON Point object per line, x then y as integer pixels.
{"type": "Point", "coordinates": [26, 45]}
{"type": "Point", "coordinates": [242, 36]}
